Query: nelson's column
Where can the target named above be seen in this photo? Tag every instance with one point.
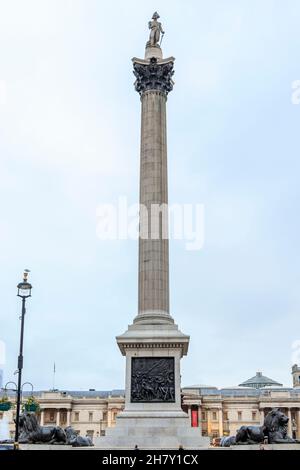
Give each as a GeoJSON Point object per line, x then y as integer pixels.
{"type": "Point", "coordinates": [153, 345]}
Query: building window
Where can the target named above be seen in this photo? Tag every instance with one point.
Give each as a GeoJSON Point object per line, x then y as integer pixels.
{"type": "Point", "coordinates": [105, 416]}
{"type": "Point", "coordinates": [90, 417]}
{"type": "Point", "coordinates": [253, 415]}
{"type": "Point", "coordinates": [214, 416]}
{"type": "Point", "coordinates": [76, 416]}
{"type": "Point", "coordinates": [239, 416]}
{"type": "Point", "coordinates": [102, 432]}
{"type": "Point", "coordinates": [52, 416]}
{"type": "Point", "coordinates": [225, 415]}
{"type": "Point", "coordinates": [203, 417]}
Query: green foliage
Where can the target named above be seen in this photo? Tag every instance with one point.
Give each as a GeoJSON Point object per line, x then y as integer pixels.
{"type": "Point", "coordinates": [31, 404]}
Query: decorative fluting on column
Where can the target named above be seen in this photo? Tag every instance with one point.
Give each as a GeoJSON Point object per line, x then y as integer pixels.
{"type": "Point", "coordinates": [153, 83]}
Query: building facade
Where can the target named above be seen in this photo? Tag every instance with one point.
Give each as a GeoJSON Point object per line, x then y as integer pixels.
{"type": "Point", "coordinates": [215, 412]}
{"type": "Point", "coordinates": [88, 412]}
{"type": "Point", "coordinates": [220, 412]}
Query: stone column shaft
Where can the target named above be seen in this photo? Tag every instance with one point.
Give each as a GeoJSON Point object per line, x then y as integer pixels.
{"type": "Point", "coordinates": [220, 422]}
{"type": "Point", "coordinates": [290, 431]}
{"type": "Point", "coordinates": [153, 250]}
{"type": "Point", "coordinates": [58, 418]}
{"type": "Point", "coordinates": [209, 423]}
{"type": "Point", "coordinates": [200, 419]}
{"type": "Point", "coordinates": [69, 418]}
{"type": "Point", "coordinates": [190, 414]}
{"type": "Point", "coordinates": [153, 83]}
{"type": "Point", "coordinates": [109, 418]}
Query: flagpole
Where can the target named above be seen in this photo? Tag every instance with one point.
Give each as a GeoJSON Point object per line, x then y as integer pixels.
{"type": "Point", "coordinates": [54, 370]}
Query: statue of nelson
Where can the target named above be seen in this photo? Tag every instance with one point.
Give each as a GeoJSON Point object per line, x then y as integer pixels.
{"type": "Point", "coordinates": [155, 30]}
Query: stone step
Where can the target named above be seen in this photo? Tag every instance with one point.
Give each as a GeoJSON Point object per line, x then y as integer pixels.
{"type": "Point", "coordinates": [152, 431]}
{"type": "Point", "coordinates": [152, 442]}
{"type": "Point", "coordinates": [154, 421]}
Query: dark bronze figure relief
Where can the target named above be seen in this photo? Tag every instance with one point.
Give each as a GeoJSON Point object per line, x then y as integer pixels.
{"type": "Point", "coordinates": [152, 379]}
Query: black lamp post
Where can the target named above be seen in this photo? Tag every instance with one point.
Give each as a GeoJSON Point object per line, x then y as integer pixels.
{"type": "Point", "coordinates": [24, 291]}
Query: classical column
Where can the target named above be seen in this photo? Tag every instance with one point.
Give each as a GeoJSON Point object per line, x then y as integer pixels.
{"type": "Point", "coordinates": [190, 414]}
{"type": "Point", "coordinates": [109, 420]}
{"type": "Point", "coordinates": [290, 431]}
{"type": "Point", "coordinates": [220, 422]}
{"type": "Point", "coordinates": [58, 418]}
{"type": "Point", "coordinates": [209, 422]}
{"type": "Point", "coordinates": [298, 422]}
{"type": "Point", "coordinates": [261, 416]}
{"type": "Point", "coordinates": [68, 417]}
{"type": "Point", "coordinates": [200, 419]}
{"type": "Point", "coordinates": [153, 82]}
{"type": "Point", "coordinates": [42, 420]}
{"type": "Point", "coordinates": [153, 328]}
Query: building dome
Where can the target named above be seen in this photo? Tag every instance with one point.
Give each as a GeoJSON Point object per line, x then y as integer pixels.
{"type": "Point", "coordinates": [259, 381]}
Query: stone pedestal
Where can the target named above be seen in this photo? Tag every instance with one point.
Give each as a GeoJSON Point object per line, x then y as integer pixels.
{"type": "Point", "coordinates": [153, 418]}
{"type": "Point", "coordinates": [153, 433]}
{"type": "Point", "coordinates": [153, 51]}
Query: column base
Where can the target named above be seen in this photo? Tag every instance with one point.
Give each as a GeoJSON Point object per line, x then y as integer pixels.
{"type": "Point", "coordinates": [153, 317]}
{"type": "Point", "coordinates": [167, 430]}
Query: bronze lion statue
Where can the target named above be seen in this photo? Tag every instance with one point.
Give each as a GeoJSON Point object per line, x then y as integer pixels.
{"type": "Point", "coordinates": [75, 440]}
{"type": "Point", "coordinates": [275, 427]}
{"type": "Point", "coordinates": [274, 430]}
{"type": "Point", "coordinates": [32, 433]}
{"type": "Point", "coordinates": [250, 435]}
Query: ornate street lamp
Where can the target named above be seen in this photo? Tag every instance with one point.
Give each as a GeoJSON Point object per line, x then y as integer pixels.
{"type": "Point", "coordinates": [24, 288]}
{"type": "Point", "coordinates": [24, 291]}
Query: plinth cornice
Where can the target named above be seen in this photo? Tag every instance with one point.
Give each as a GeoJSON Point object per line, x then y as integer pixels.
{"type": "Point", "coordinates": [147, 337]}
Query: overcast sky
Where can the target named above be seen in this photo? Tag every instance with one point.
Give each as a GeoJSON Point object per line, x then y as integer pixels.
{"type": "Point", "coordinates": [69, 141]}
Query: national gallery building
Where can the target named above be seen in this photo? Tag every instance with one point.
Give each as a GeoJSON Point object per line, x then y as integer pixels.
{"type": "Point", "coordinates": [215, 412]}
